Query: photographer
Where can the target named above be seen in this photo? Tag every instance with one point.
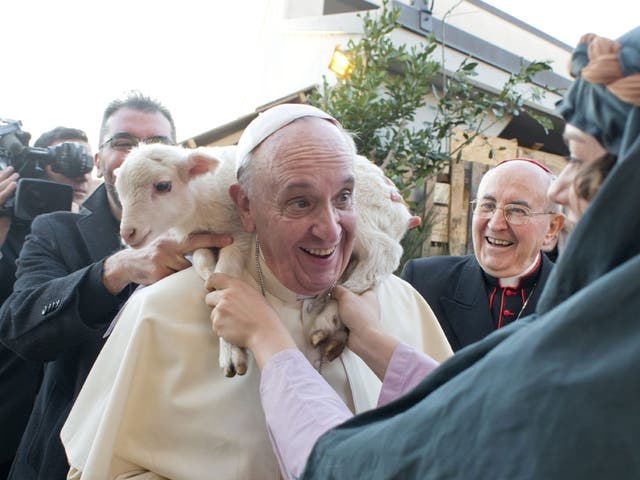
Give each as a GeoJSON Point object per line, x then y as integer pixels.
{"type": "Point", "coordinates": [14, 230]}
{"type": "Point", "coordinates": [82, 183]}
{"type": "Point", "coordinates": [20, 377]}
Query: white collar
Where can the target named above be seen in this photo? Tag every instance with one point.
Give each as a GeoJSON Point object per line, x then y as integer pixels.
{"type": "Point", "coordinates": [514, 281]}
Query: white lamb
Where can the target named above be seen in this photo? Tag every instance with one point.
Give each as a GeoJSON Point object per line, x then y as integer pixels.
{"type": "Point", "coordinates": [165, 188]}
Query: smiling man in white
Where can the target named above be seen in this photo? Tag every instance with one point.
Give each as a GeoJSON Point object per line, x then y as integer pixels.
{"type": "Point", "coordinates": [156, 405]}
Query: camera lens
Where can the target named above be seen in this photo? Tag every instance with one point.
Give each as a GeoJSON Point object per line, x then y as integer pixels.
{"type": "Point", "coordinates": [70, 159]}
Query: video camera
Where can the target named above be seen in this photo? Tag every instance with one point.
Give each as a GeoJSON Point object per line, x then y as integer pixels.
{"type": "Point", "coordinates": [34, 194]}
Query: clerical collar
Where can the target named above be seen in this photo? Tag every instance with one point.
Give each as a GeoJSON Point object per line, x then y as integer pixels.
{"type": "Point", "coordinates": [527, 278]}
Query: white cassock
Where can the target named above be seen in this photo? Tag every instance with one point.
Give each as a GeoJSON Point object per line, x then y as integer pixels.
{"type": "Point", "coordinates": [156, 405]}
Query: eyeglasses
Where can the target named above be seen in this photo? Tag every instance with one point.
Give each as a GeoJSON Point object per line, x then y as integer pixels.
{"type": "Point", "coordinates": [123, 142]}
{"type": "Point", "coordinates": [513, 213]}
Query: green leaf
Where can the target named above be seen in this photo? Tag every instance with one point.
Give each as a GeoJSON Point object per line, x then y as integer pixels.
{"type": "Point", "coordinates": [469, 67]}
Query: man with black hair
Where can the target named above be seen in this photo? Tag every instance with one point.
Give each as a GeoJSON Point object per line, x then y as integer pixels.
{"type": "Point", "coordinates": [81, 184]}
{"type": "Point", "coordinates": [13, 230]}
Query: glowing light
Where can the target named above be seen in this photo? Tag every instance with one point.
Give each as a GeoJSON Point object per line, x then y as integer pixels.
{"type": "Point", "coordinates": [340, 63]}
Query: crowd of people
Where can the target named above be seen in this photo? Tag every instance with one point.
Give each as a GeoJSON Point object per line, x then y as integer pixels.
{"type": "Point", "coordinates": [111, 380]}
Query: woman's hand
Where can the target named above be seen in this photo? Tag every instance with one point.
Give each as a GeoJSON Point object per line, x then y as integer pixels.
{"type": "Point", "coordinates": [361, 315]}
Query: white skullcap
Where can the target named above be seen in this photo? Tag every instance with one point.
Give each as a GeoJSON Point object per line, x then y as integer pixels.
{"type": "Point", "coordinates": [272, 120]}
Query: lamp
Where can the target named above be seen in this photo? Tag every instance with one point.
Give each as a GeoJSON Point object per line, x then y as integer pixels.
{"type": "Point", "coordinates": [340, 63]}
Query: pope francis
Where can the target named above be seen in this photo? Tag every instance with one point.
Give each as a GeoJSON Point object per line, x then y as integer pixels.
{"type": "Point", "coordinates": [155, 404]}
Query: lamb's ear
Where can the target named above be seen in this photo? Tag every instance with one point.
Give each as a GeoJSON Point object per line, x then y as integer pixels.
{"type": "Point", "coordinates": [414, 221]}
{"type": "Point", "coordinates": [199, 162]}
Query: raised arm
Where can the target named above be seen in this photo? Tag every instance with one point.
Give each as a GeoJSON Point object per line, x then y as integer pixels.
{"type": "Point", "coordinates": [299, 405]}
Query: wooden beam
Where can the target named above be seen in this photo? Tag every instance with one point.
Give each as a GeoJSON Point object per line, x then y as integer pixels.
{"type": "Point", "coordinates": [555, 163]}
{"type": "Point", "coordinates": [479, 150]}
{"type": "Point", "coordinates": [457, 217]}
{"type": "Point", "coordinates": [477, 171]}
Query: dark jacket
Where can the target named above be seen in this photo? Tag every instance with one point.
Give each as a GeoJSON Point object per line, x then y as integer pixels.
{"type": "Point", "coordinates": [10, 250]}
{"type": "Point", "coordinates": [19, 379]}
{"type": "Point", "coordinates": [58, 313]}
{"type": "Point", "coordinates": [455, 289]}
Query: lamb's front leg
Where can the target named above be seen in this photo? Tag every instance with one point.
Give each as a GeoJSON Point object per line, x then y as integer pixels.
{"type": "Point", "coordinates": [233, 359]}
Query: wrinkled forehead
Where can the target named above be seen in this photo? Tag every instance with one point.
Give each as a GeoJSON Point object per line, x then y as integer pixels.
{"type": "Point", "coordinates": [306, 156]}
{"type": "Point", "coordinates": [517, 181]}
{"type": "Point", "coordinates": [306, 140]}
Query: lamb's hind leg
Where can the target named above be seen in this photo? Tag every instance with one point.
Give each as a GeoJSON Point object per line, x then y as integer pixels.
{"type": "Point", "coordinates": [229, 359]}
{"type": "Point", "coordinates": [328, 333]}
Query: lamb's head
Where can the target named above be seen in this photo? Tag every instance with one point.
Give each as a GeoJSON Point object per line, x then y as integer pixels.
{"type": "Point", "coordinates": [380, 205]}
{"type": "Point", "coordinates": [153, 185]}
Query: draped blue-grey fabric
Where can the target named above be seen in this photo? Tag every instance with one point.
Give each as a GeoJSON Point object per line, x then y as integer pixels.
{"type": "Point", "coordinates": [555, 395]}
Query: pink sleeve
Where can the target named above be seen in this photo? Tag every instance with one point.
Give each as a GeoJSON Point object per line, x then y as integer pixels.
{"type": "Point", "coordinates": [299, 406]}
{"type": "Point", "coordinates": [406, 369]}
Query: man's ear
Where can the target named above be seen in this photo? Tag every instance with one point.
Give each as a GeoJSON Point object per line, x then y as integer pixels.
{"type": "Point", "coordinates": [244, 207]}
{"type": "Point", "coordinates": [551, 236]}
{"type": "Point", "coordinates": [96, 163]}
